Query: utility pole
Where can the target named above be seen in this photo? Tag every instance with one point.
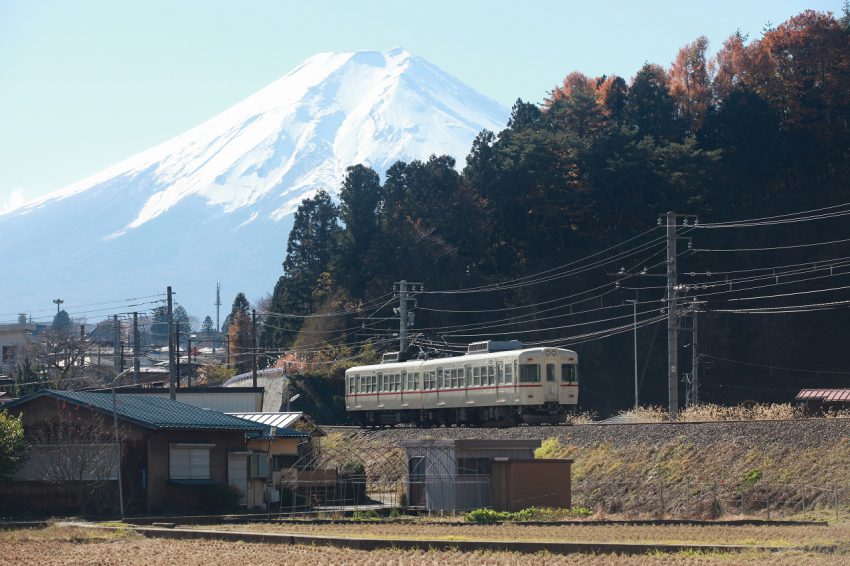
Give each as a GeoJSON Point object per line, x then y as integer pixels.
{"type": "Point", "coordinates": [217, 307]}
{"type": "Point", "coordinates": [254, 348]}
{"type": "Point", "coordinates": [634, 303]}
{"type": "Point", "coordinates": [695, 356]}
{"type": "Point", "coordinates": [402, 317]}
{"type": "Point", "coordinates": [172, 394]}
{"type": "Point", "coordinates": [189, 359]}
{"type": "Point", "coordinates": [404, 291]}
{"type": "Point", "coordinates": [136, 347]}
{"type": "Point", "coordinates": [83, 344]}
{"type": "Point", "coordinates": [116, 348]}
{"type": "Point", "coordinates": [217, 313]}
{"type": "Point", "coordinates": [177, 347]}
{"type": "Point", "coordinates": [672, 319]}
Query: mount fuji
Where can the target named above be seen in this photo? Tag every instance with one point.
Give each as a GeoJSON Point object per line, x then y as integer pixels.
{"type": "Point", "coordinates": [215, 204]}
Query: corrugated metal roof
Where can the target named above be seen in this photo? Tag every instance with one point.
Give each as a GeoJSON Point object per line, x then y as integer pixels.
{"type": "Point", "coordinates": [278, 420]}
{"type": "Point", "coordinates": [824, 395]}
{"type": "Point", "coordinates": [282, 422]}
{"type": "Point", "coordinates": [149, 411]}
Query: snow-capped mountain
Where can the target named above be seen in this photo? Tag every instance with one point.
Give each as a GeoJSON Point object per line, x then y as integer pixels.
{"type": "Point", "coordinates": [215, 203]}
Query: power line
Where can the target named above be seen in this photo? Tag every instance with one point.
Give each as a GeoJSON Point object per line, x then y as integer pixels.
{"type": "Point", "coordinates": [800, 216]}
{"type": "Point", "coordinates": [798, 370]}
{"type": "Point", "coordinates": [774, 248]}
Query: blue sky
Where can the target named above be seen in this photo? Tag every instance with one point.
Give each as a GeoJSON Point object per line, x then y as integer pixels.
{"type": "Point", "coordinates": [85, 84]}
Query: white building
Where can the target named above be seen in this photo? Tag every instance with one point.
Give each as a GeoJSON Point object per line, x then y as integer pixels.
{"type": "Point", "coordinates": [13, 338]}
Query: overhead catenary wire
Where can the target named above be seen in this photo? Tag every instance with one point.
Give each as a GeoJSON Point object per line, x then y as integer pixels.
{"type": "Point", "coordinates": [772, 367]}
{"type": "Point", "coordinates": [791, 217]}
{"type": "Point", "coordinates": [549, 275]}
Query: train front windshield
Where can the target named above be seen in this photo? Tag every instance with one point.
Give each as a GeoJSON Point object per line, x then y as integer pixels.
{"type": "Point", "coordinates": [569, 373]}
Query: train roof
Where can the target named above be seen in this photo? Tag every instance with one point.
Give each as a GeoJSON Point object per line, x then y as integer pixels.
{"type": "Point", "coordinates": [453, 359]}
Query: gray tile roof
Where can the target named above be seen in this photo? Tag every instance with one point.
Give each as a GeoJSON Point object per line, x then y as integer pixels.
{"type": "Point", "coordinates": [149, 411]}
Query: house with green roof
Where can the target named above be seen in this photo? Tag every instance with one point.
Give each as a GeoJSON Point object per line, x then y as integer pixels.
{"type": "Point", "coordinates": [171, 456]}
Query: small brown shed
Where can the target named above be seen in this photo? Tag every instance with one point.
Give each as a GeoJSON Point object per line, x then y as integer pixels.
{"type": "Point", "coordinates": [517, 484]}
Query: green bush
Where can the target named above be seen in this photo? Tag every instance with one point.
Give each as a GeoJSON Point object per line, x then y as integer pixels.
{"type": "Point", "coordinates": [220, 498]}
{"type": "Point", "coordinates": [489, 516]}
{"type": "Point", "coordinates": [752, 476]}
{"type": "Point", "coordinates": [352, 468]}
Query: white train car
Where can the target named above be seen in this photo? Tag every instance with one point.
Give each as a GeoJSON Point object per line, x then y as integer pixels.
{"type": "Point", "coordinates": [495, 382]}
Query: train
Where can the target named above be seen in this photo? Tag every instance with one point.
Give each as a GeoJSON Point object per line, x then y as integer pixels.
{"type": "Point", "coordinates": [493, 383]}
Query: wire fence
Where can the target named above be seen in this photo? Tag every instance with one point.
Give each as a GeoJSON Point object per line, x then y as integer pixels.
{"type": "Point", "coordinates": [708, 500]}
{"type": "Point", "coordinates": [358, 493]}
{"type": "Point", "coordinates": [446, 493]}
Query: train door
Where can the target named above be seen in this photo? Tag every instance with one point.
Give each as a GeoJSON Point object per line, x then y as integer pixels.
{"type": "Point", "coordinates": [403, 386]}
{"type": "Point", "coordinates": [551, 383]}
{"type": "Point", "coordinates": [500, 382]}
{"type": "Point", "coordinates": [569, 384]}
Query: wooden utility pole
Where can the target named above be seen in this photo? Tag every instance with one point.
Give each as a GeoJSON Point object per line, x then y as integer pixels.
{"type": "Point", "coordinates": [172, 394]}
{"type": "Point", "coordinates": [136, 348]}
{"type": "Point", "coordinates": [177, 347]}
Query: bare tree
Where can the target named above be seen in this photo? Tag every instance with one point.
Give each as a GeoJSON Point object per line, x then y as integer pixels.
{"type": "Point", "coordinates": [60, 355]}
{"type": "Point", "coordinates": [76, 451]}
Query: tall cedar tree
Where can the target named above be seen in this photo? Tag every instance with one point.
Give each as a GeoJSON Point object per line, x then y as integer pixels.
{"type": "Point", "coordinates": [239, 335]}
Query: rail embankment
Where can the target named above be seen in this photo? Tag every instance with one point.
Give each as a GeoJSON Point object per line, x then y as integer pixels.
{"type": "Point", "coordinates": [767, 468]}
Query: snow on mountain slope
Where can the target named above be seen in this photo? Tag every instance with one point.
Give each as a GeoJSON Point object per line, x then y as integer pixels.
{"type": "Point", "coordinates": [215, 203]}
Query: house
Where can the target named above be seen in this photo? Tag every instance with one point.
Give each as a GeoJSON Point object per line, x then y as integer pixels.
{"type": "Point", "coordinates": [293, 442]}
{"type": "Point", "coordinates": [173, 456]}
{"type": "Point", "coordinates": [222, 399]}
{"type": "Point", "coordinates": [13, 338]}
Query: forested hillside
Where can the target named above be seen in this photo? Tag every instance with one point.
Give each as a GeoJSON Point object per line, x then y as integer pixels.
{"type": "Point", "coordinates": [552, 224]}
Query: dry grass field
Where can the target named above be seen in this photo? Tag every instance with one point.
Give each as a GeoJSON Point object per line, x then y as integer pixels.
{"type": "Point", "coordinates": [76, 545]}
{"type": "Point", "coordinates": [814, 535]}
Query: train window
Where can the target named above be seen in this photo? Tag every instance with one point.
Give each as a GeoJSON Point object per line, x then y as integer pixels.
{"type": "Point", "coordinates": [440, 381]}
{"type": "Point", "coordinates": [529, 373]}
{"type": "Point", "coordinates": [569, 373]}
{"type": "Point", "coordinates": [491, 375]}
{"type": "Point", "coordinates": [509, 374]}
{"type": "Point", "coordinates": [550, 372]}
{"type": "Point", "coordinates": [351, 381]}
{"type": "Point", "coordinates": [476, 376]}
{"type": "Point", "coordinates": [397, 385]}
{"type": "Point", "coordinates": [373, 384]}
{"type": "Point", "coordinates": [461, 377]}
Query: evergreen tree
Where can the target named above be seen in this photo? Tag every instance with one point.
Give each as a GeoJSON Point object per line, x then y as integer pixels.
{"type": "Point", "coordinates": [207, 327]}
{"type": "Point", "coordinates": [650, 106]}
{"type": "Point", "coordinates": [61, 322]}
{"type": "Point", "coordinates": [239, 335]}
{"type": "Point", "coordinates": [358, 210]}
{"type": "Point", "coordinates": [312, 247]}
